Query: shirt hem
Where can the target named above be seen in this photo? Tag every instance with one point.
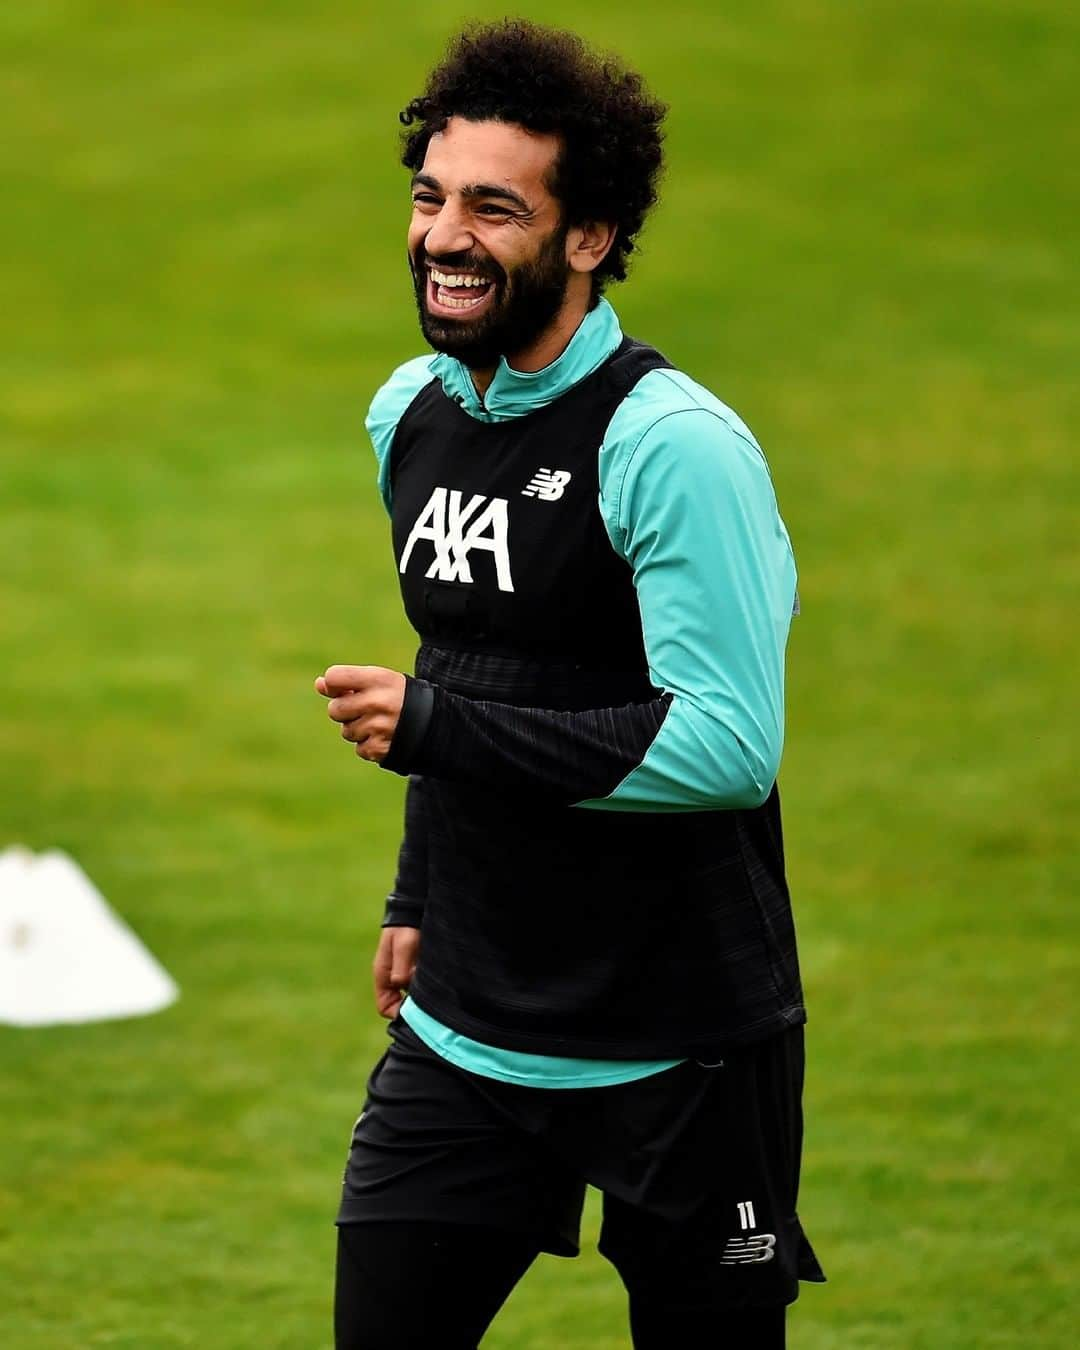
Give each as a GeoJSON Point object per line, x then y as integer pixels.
{"type": "Point", "coordinates": [679, 1047]}
{"type": "Point", "coordinates": [542, 1078]}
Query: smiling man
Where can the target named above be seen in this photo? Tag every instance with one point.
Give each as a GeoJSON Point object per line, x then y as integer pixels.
{"type": "Point", "coordinates": [588, 954]}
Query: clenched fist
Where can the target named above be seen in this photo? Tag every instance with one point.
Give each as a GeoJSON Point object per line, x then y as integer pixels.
{"type": "Point", "coordinates": [367, 701]}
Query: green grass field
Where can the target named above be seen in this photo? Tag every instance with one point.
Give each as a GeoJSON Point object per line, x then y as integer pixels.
{"type": "Point", "coordinates": [868, 245]}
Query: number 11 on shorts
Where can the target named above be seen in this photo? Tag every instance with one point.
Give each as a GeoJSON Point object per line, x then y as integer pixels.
{"type": "Point", "coordinates": [746, 1214]}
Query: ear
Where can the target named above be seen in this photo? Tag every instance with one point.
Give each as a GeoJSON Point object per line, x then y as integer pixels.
{"type": "Point", "coordinates": [588, 245]}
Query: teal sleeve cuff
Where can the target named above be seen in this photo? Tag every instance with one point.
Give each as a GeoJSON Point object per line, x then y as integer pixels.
{"type": "Point", "coordinates": [687, 500]}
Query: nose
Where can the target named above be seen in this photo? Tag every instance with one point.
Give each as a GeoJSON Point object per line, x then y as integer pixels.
{"type": "Point", "coordinates": [449, 233]}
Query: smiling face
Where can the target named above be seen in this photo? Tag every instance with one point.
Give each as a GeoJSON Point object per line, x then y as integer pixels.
{"type": "Point", "coordinates": [487, 243]}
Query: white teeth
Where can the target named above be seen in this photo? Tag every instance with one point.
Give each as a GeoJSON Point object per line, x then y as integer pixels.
{"type": "Point", "coordinates": [443, 279]}
{"type": "Point", "coordinates": [446, 281]}
{"type": "Point", "coordinates": [453, 302]}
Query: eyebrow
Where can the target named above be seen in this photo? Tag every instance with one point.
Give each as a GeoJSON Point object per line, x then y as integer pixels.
{"type": "Point", "coordinates": [474, 190]}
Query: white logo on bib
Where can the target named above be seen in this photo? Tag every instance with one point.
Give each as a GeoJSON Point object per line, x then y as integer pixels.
{"type": "Point", "coordinates": [455, 530]}
{"type": "Point", "coordinates": [547, 484]}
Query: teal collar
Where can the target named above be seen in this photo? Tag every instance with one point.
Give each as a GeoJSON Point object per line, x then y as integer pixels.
{"type": "Point", "coordinates": [513, 393]}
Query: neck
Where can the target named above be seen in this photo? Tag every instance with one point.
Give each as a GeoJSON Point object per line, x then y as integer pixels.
{"type": "Point", "coordinates": [551, 343]}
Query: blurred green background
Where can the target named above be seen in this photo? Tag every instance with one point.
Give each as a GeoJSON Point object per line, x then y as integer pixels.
{"type": "Point", "coordinates": [868, 246]}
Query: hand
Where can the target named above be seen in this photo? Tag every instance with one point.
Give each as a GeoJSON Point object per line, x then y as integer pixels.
{"type": "Point", "coordinates": [395, 962]}
{"type": "Point", "coordinates": [367, 701]}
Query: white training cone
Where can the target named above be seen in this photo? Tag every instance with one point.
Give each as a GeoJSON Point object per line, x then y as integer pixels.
{"type": "Point", "coordinates": [64, 955]}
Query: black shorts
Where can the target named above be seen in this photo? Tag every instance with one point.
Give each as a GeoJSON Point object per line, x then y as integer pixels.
{"type": "Point", "coordinates": [695, 1163]}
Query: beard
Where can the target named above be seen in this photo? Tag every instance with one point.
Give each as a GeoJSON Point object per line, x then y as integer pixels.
{"type": "Point", "coordinates": [524, 303]}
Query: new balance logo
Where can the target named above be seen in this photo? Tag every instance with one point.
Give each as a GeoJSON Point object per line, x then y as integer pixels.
{"type": "Point", "coordinates": [749, 1251]}
{"type": "Point", "coordinates": [547, 484]}
{"type": "Point", "coordinates": [456, 529]}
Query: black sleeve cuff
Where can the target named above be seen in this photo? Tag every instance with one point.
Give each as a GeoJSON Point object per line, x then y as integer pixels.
{"type": "Point", "coordinates": [416, 711]}
{"type": "Point", "coordinates": [402, 912]}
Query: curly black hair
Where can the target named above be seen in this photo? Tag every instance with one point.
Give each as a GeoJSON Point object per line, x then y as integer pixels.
{"type": "Point", "coordinates": [548, 81]}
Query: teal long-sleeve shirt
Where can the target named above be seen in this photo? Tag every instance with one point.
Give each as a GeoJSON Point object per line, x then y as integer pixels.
{"type": "Point", "coordinates": [687, 500]}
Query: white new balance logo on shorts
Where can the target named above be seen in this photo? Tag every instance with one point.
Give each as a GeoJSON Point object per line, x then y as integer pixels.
{"type": "Point", "coordinates": [749, 1251]}
{"type": "Point", "coordinates": [547, 484]}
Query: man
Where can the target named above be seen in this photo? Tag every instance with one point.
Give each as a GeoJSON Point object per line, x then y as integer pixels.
{"type": "Point", "coordinates": [590, 916]}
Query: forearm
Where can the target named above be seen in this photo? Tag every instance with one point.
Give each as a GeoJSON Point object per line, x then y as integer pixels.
{"type": "Point", "coordinates": [571, 756]}
{"type": "Point", "coordinates": [405, 903]}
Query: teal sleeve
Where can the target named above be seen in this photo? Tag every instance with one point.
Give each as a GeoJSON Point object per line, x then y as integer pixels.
{"type": "Point", "coordinates": [387, 408]}
{"type": "Point", "coordinates": [687, 500]}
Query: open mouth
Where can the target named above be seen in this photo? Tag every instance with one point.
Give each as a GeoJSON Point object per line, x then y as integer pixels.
{"type": "Point", "coordinates": [457, 292]}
